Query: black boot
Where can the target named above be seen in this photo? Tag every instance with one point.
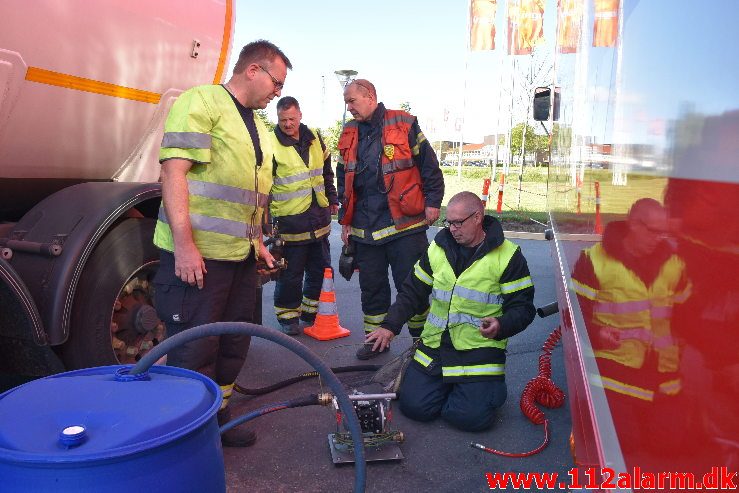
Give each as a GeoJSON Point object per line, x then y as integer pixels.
{"type": "Point", "coordinates": [239, 436]}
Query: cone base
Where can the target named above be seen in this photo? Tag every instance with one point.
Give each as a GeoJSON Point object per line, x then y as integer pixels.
{"type": "Point", "coordinates": [324, 334]}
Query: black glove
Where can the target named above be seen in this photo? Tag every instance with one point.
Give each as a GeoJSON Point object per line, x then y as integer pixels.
{"type": "Point", "coordinates": [346, 261]}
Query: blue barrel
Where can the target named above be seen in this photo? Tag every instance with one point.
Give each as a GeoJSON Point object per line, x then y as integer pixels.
{"type": "Point", "coordinates": [101, 429]}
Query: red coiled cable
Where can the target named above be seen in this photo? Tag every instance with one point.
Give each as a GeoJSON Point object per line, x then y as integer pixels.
{"type": "Point", "coordinates": [540, 389]}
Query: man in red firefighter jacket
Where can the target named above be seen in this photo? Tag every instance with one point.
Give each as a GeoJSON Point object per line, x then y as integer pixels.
{"type": "Point", "coordinates": [627, 286]}
{"type": "Point", "coordinates": [390, 187]}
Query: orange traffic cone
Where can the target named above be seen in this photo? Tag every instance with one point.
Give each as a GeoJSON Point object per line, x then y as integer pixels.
{"type": "Point", "coordinates": [327, 326]}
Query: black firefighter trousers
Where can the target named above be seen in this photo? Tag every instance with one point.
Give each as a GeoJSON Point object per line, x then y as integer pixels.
{"type": "Point", "coordinates": [228, 295]}
{"type": "Point", "coordinates": [373, 261]}
{"type": "Point", "coordinates": [299, 286]}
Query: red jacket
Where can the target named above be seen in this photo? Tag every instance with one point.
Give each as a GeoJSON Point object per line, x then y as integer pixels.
{"type": "Point", "coordinates": [401, 177]}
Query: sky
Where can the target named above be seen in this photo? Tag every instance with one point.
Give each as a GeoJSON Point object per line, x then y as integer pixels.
{"type": "Point", "coordinates": [414, 51]}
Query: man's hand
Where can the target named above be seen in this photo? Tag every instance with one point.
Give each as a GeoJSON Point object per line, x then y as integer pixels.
{"type": "Point", "coordinates": [334, 209]}
{"type": "Point", "coordinates": [432, 214]}
{"type": "Point", "coordinates": [381, 338]}
{"type": "Point", "coordinates": [490, 327]}
{"type": "Point", "coordinates": [265, 254]}
{"type": "Point", "coordinates": [345, 230]}
{"type": "Point", "coordinates": [189, 265]}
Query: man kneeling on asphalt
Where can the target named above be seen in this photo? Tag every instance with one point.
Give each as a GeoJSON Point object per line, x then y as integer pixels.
{"type": "Point", "coordinates": [481, 294]}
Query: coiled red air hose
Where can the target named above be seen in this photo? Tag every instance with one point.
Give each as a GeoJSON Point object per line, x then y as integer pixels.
{"type": "Point", "coordinates": [540, 389]}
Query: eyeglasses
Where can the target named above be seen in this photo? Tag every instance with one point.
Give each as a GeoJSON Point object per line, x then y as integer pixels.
{"type": "Point", "coordinates": [278, 85]}
{"type": "Point", "coordinates": [457, 224]}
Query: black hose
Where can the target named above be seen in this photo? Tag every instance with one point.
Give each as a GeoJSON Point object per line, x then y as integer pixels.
{"type": "Point", "coordinates": [242, 328]}
{"type": "Point", "coordinates": [299, 378]}
{"type": "Point", "coordinates": [309, 400]}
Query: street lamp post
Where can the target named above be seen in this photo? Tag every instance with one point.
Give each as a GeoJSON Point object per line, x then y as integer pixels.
{"type": "Point", "coordinates": [345, 77]}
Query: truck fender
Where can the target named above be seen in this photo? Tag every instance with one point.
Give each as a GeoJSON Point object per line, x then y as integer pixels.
{"type": "Point", "coordinates": [75, 219]}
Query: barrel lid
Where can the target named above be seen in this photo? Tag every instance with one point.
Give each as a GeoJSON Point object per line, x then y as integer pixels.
{"type": "Point", "coordinates": [93, 414]}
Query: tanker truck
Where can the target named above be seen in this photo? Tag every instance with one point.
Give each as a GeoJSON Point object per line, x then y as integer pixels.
{"type": "Point", "coordinates": [84, 90]}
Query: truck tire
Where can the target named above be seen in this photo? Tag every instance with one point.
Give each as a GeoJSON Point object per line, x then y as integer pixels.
{"type": "Point", "coordinates": [113, 320]}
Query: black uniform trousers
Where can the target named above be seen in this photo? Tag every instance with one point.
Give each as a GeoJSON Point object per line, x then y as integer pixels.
{"type": "Point", "coordinates": [469, 406]}
{"type": "Point", "coordinates": [301, 281]}
{"type": "Point", "coordinates": [400, 255]}
{"type": "Point", "coordinates": [228, 295]}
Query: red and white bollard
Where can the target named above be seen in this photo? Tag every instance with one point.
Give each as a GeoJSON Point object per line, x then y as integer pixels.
{"type": "Point", "coordinates": [500, 193]}
{"type": "Point", "coordinates": [485, 190]}
{"type": "Point", "coordinates": [598, 223]}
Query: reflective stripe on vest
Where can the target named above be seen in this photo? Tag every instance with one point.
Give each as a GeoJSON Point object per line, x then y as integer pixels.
{"type": "Point", "coordinates": [626, 389]}
{"type": "Point", "coordinates": [191, 140]}
{"type": "Point", "coordinates": [473, 370]}
{"type": "Point", "coordinates": [459, 304]}
{"type": "Point", "coordinates": [422, 358]}
{"type": "Point", "coordinates": [217, 225]}
{"type": "Point", "coordinates": [227, 191]}
{"type": "Point", "coordinates": [294, 181]}
{"type": "Point", "coordinates": [319, 233]}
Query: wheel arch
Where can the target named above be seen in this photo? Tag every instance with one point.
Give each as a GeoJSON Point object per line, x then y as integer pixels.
{"type": "Point", "coordinates": [76, 219]}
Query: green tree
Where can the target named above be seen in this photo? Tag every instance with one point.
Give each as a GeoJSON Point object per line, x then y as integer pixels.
{"type": "Point", "coordinates": [534, 142]}
{"type": "Point", "coordinates": [406, 106]}
{"type": "Point", "coordinates": [331, 137]}
{"type": "Point", "coordinates": [262, 115]}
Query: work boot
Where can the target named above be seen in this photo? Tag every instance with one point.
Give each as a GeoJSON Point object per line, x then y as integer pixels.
{"type": "Point", "coordinates": [241, 436]}
{"type": "Point", "coordinates": [366, 352]}
{"type": "Point", "coordinates": [291, 329]}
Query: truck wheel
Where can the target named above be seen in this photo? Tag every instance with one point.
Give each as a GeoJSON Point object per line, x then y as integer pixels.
{"type": "Point", "coordinates": [113, 319]}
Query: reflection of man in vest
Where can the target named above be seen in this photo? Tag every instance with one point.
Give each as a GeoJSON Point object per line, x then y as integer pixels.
{"type": "Point", "coordinates": [303, 199]}
{"type": "Point", "coordinates": [391, 187]}
{"type": "Point", "coordinates": [627, 286]}
{"type": "Point", "coordinates": [481, 294]}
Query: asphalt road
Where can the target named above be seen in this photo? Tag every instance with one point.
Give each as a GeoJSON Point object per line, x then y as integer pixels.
{"type": "Point", "coordinates": [292, 452]}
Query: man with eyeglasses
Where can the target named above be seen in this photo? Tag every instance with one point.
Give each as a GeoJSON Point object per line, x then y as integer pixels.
{"type": "Point", "coordinates": [627, 286]}
{"type": "Point", "coordinates": [481, 295]}
{"type": "Point", "coordinates": [391, 187]}
{"type": "Point", "coordinates": [216, 175]}
{"type": "Point", "coordinates": [303, 198]}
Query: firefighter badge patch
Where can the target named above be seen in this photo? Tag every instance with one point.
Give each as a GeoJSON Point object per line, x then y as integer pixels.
{"type": "Point", "coordinates": [389, 151]}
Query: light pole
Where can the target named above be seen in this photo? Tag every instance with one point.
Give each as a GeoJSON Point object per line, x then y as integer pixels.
{"type": "Point", "coordinates": [345, 77]}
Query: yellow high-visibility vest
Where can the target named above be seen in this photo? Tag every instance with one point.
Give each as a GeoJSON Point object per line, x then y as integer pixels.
{"type": "Point", "coordinates": [228, 190]}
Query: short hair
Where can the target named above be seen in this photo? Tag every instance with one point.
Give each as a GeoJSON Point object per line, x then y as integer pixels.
{"type": "Point", "coordinates": [257, 52]}
{"type": "Point", "coordinates": [368, 88]}
{"type": "Point", "coordinates": [469, 201]}
{"type": "Point", "coordinates": [287, 102]}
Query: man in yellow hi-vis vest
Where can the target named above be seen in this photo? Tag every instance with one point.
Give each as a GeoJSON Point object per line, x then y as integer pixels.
{"type": "Point", "coordinates": [481, 294]}
{"type": "Point", "coordinates": [627, 286]}
{"type": "Point", "coordinates": [216, 177]}
{"type": "Point", "coordinates": [303, 198]}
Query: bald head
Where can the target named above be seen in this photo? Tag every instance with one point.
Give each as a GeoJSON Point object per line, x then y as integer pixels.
{"type": "Point", "coordinates": [467, 201]}
{"type": "Point", "coordinates": [365, 87]}
{"type": "Point", "coordinates": [361, 99]}
{"type": "Point", "coordinates": [644, 210]}
{"type": "Point", "coordinates": [647, 227]}
{"type": "Point", "coordinates": [464, 218]}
